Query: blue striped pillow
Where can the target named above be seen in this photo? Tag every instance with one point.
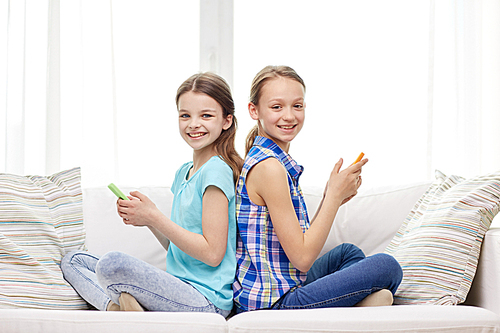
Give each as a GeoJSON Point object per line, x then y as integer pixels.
{"type": "Point", "coordinates": [41, 219]}
{"type": "Point", "coordinates": [439, 242]}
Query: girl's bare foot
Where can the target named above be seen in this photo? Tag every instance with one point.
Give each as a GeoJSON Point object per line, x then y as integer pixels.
{"type": "Point", "coordinates": [380, 298]}
{"type": "Point", "coordinates": [129, 303]}
{"type": "Point", "coordinates": [113, 306]}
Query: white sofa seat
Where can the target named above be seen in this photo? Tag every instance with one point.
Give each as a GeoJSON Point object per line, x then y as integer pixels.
{"type": "Point", "coordinates": [93, 321]}
{"type": "Point", "coordinates": [406, 318]}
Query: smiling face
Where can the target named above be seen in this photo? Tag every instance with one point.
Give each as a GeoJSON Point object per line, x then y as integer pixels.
{"type": "Point", "coordinates": [280, 111]}
{"type": "Point", "coordinates": [201, 121]}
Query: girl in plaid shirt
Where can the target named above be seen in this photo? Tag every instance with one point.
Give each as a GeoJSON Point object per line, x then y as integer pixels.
{"type": "Point", "coordinates": [277, 245]}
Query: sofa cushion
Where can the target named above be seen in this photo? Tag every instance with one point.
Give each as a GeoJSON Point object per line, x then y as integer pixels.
{"type": "Point", "coordinates": [439, 243]}
{"type": "Point", "coordinates": [110, 322]}
{"type": "Point", "coordinates": [411, 318]}
{"type": "Point", "coordinates": [41, 220]}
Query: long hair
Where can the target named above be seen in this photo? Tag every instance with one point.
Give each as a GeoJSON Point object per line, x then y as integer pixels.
{"type": "Point", "coordinates": [216, 87]}
{"type": "Point", "coordinates": [262, 77]}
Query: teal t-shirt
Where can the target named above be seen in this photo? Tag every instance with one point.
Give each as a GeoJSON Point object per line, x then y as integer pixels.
{"type": "Point", "coordinates": [215, 283]}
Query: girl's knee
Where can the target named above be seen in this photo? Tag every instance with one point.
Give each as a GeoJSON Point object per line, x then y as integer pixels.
{"type": "Point", "coordinates": [391, 263]}
{"type": "Point", "coordinates": [352, 251]}
{"type": "Point", "coordinates": [390, 266]}
{"type": "Point", "coordinates": [110, 264]}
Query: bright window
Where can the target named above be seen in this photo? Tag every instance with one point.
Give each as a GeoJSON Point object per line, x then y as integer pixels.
{"type": "Point", "coordinates": [365, 65]}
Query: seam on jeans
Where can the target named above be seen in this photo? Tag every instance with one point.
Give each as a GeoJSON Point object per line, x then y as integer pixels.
{"type": "Point", "coordinates": [72, 266]}
{"type": "Point", "coordinates": [164, 299]}
{"type": "Point", "coordinates": [78, 271]}
{"type": "Point", "coordinates": [330, 301]}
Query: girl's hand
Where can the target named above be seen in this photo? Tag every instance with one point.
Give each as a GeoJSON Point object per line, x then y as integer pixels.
{"type": "Point", "coordinates": [343, 185]}
{"type": "Point", "coordinates": [138, 211]}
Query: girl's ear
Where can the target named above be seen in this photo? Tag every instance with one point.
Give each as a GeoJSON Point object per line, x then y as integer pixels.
{"type": "Point", "coordinates": [252, 109]}
{"type": "Point", "coordinates": [228, 122]}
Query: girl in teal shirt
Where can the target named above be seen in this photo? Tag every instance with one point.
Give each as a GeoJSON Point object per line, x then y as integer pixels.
{"type": "Point", "coordinates": [200, 235]}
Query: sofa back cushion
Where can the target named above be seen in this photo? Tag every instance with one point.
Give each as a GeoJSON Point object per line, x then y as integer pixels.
{"type": "Point", "coordinates": [371, 219]}
{"type": "Point", "coordinates": [107, 232]}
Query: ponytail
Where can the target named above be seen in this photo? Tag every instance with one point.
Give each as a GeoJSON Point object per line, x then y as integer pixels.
{"type": "Point", "coordinates": [251, 138]}
{"type": "Point", "coordinates": [224, 147]}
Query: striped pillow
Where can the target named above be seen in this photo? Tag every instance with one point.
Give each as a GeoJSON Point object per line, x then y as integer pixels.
{"type": "Point", "coordinates": [41, 219]}
{"type": "Point", "coordinates": [439, 242]}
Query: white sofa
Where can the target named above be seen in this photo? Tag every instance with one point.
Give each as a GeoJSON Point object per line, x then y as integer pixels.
{"type": "Point", "coordinates": [369, 220]}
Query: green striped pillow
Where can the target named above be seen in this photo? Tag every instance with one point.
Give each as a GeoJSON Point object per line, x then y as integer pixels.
{"type": "Point", "coordinates": [41, 219]}
{"type": "Point", "coordinates": [439, 242]}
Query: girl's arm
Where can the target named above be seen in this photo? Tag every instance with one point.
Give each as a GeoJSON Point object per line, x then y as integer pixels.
{"type": "Point", "coordinates": [161, 237]}
{"type": "Point", "coordinates": [267, 185]}
{"type": "Point", "coordinates": [209, 247]}
{"type": "Point", "coordinates": [318, 209]}
{"type": "Point", "coordinates": [320, 203]}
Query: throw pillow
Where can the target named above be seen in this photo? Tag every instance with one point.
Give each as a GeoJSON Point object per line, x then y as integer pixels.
{"type": "Point", "coordinates": [439, 242]}
{"type": "Point", "coordinates": [41, 219]}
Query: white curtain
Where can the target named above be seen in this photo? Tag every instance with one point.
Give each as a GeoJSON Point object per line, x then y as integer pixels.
{"type": "Point", "coordinates": [464, 74]}
{"type": "Point", "coordinates": [91, 83]}
{"type": "Point", "coordinates": [23, 86]}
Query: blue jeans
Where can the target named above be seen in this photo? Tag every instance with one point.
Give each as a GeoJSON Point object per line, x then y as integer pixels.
{"type": "Point", "coordinates": [343, 277]}
{"type": "Point", "coordinates": [99, 280]}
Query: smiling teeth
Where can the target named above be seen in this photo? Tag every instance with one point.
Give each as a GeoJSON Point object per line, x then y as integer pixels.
{"type": "Point", "coordinates": [287, 127]}
{"type": "Point", "coordinates": [197, 135]}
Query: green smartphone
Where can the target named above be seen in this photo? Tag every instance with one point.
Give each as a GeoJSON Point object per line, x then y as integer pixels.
{"type": "Point", "coordinates": [117, 192]}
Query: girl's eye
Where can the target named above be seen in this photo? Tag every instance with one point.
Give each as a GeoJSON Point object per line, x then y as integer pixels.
{"type": "Point", "coordinates": [184, 116]}
{"type": "Point", "coordinates": [298, 106]}
{"type": "Point", "coordinates": [207, 116]}
{"type": "Point", "coordinates": [275, 107]}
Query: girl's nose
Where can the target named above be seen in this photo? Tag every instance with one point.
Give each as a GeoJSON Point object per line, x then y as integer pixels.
{"type": "Point", "coordinates": [288, 114]}
{"type": "Point", "coordinates": [194, 123]}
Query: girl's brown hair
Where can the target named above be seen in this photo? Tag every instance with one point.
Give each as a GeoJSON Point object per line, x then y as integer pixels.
{"type": "Point", "coordinates": [262, 77]}
{"type": "Point", "coordinates": [216, 87]}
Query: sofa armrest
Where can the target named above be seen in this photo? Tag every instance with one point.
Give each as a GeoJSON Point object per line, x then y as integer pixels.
{"type": "Point", "coordinates": [485, 291]}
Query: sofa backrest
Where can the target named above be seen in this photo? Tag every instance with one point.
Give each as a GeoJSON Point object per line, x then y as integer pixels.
{"type": "Point", "coordinates": [372, 218]}
{"type": "Point", "coordinates": [107, 232]}
{"type": "Point", "coordinates": [369, 220]}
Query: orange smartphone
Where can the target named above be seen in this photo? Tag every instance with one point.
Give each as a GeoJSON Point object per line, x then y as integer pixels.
{"type": "Point", "coordinates": [359, 158]}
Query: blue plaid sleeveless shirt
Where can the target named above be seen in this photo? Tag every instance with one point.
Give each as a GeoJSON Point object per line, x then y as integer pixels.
{"type": "Point", "coordinates": [264, 272]}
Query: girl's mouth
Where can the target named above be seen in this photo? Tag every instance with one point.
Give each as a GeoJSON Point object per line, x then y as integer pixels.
{"type": "Point", "coordinates": [196, 135]}
{"type": "Point", "coordinates": [287, 127]}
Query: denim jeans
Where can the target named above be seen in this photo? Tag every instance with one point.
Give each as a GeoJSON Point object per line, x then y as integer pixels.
{"type": "Point", "coordinates": [99, 280]}
{"type": "Point", "coordinates": [343, 277]}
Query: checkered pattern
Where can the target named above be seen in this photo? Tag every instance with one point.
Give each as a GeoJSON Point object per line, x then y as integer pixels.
{"type": "Point", "coordinates": [264, 271]}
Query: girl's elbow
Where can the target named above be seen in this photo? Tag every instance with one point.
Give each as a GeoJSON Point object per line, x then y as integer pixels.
{"type": "Point", "coordinates": [304, 268]}
{"type": "Point", "coordinates": [215, 259]}
{"type": "Point", "coordinates": [303, 265]}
